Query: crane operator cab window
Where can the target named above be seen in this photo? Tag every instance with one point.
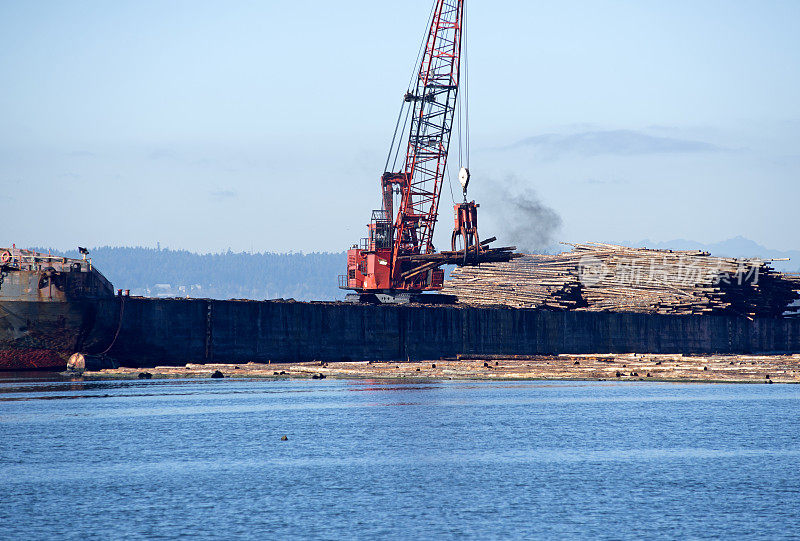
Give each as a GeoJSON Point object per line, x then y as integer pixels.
{"type": "Point", "coordinates": [380, 230]}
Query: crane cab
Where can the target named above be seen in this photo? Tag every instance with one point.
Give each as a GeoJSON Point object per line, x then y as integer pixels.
{"type": "Point", "coordinates": [369, 264]}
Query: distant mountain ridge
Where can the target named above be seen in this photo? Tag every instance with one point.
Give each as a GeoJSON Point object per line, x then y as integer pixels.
{"type": "Point", "coordinates": [734, 247]}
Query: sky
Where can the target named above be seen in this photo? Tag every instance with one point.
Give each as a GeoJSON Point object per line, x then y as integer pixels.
{"type": "Point", "coordinates": [265, 125]}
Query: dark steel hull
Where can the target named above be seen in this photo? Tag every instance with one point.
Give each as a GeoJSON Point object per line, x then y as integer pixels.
{"type": "Point", "coordinates": [145, 332]}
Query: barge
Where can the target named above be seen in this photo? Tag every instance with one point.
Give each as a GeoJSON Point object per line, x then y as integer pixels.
{"type": "Point", "coordinates": [179, 331]}
{"type": "Point", "coordinates": [52, 307]}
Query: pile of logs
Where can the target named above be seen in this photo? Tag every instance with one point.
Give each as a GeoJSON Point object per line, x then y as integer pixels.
{"type": "Point", "coordinates": [530, 281]}
{"type": "Point", "coordinates": [600, 277]}
{"type": "Point", "coordinates": [794, 279]}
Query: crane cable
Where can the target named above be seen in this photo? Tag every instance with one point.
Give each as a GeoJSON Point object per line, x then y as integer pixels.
{"type": "Point", "coordinates": [411, 81]}
{"type": "Point", "coordinates": [463, 107]}
{"type": "Point", "coordinates": [466, 82]}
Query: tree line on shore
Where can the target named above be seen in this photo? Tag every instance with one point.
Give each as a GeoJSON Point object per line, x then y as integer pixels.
{"type": "Point", "coordinates": [226, 275]}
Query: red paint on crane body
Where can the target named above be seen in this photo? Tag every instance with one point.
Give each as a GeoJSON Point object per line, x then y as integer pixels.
{"type": "Point", "coordinates": [378, 263]}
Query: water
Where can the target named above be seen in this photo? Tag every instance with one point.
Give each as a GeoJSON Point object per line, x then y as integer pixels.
{"type": "Point", "coordinates": [367, 459]}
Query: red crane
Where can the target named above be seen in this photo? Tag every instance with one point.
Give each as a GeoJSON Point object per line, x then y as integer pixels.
{"type": "Point", "coordinates": [398, 261]}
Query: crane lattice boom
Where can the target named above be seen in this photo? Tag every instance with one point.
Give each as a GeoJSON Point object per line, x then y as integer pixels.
{"type": "Point", "coordinates": [434, 103]}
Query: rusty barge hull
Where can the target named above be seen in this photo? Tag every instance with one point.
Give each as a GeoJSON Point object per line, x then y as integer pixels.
{"type": "Point", "coordinates": [42, 335]}
{"type": "Point", "coordinates": [50, 307]}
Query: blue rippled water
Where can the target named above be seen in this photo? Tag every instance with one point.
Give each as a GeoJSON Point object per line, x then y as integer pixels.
{"type": "Point", "coordinates": [368, 459]}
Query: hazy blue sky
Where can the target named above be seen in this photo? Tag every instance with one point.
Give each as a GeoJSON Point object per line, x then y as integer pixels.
{"type": "Point", "coordinates": [208, 125]}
